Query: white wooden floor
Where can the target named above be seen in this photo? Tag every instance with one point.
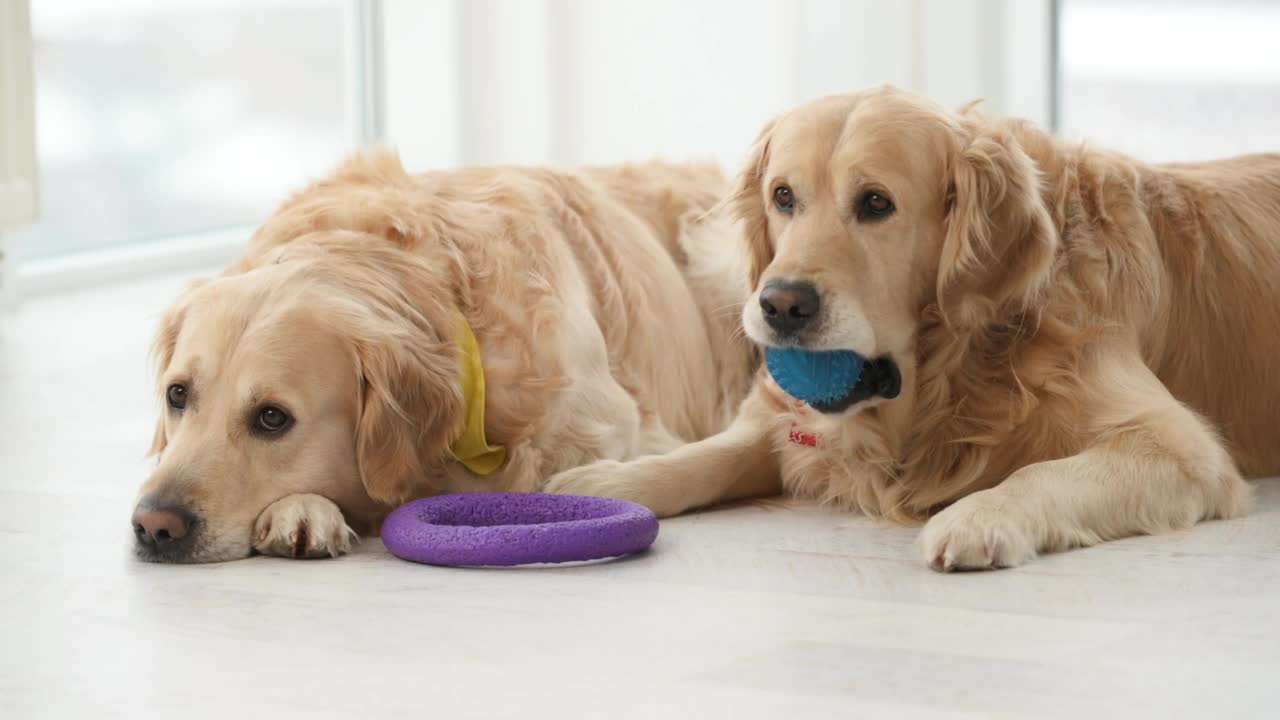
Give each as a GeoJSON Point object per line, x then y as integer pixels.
{"type": "Point", "coordinates": [749, 612]}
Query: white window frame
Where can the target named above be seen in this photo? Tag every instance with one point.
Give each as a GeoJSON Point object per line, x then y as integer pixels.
{"type": "Point", "coordinates": [185, 252]}
{"type": "Point", "coordinates": [18, 200]}
{"type": "Point", "coordinates": [1012, 45]}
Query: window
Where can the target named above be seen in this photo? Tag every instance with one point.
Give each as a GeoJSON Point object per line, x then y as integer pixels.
{"type": "Point", "coordinates": [155, 119]}
{"type": "Point", "coordinates": [1171, 80]}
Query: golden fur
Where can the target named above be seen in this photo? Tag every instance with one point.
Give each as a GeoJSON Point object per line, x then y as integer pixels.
{"type": "Point", "coordinates": [600, 314]}
{"type": "Point", "coordinates": [1087, 342]}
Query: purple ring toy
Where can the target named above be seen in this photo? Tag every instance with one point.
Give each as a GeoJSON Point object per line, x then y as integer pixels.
{"type": "Point", "coordinates": [516, 529]}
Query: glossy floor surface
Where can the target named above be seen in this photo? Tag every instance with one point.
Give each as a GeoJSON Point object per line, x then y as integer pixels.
{"type": "Point", "coordinates": [766, 611]}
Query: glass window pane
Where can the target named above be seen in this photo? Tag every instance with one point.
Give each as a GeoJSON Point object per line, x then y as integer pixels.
{"type": "Point", "coordinates": [1171, 79]}
{"type": "Point", "coordinates": [161, 118]}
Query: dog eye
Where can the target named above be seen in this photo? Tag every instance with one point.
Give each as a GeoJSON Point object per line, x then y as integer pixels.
{"type": "Point", "coordinates": [272, 420]}
{"type": "Point", "coordinates": [784, 199]}
{"type": "Point", "coordinates": [874, 206]}
{"type": "Point", "coordinates": [177, 396]}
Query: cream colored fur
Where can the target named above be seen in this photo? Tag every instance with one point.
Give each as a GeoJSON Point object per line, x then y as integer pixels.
{"type": "Point", "coordinates": [605, 329]}
{"type": "Point", "coordinates": [1088, 343]}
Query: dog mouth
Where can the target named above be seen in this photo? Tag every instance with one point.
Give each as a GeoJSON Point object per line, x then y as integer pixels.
{"type": "Point", "coordinates": [180, 552]}
{"type": "Point", "coordinates": [196, 546]}
{"type": "Point", "coordinates": [880, 378]}
{"type": "Point", "coordinates": [197, 552]}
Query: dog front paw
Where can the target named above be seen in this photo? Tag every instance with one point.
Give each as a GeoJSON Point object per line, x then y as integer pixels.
{"type": "Point", "coordinates": [980, 532]}
{"type": "Point", "coordinates": [303, 526]}
{"type": "Point", "coordinates": [599, 479]}
{"type": "Point", "coordinates": [619, 480]}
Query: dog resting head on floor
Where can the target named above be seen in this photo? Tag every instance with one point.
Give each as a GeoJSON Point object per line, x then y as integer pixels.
{"type": "Point", "coordinates": [320, 381]}
{"type": "Point", "coordinates": [329, 370]}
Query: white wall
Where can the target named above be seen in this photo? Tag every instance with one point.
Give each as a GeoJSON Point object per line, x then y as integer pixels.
{"type": "Point", "coordinates": [672, 78]}
{"type": "Point", "coordinates": [589, 81]}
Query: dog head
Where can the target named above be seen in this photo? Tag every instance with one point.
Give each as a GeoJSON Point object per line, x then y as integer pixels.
{"type": "Point", "coordinates": [328, 366]}
{"type": "Point", "coordinates": [862, 211]}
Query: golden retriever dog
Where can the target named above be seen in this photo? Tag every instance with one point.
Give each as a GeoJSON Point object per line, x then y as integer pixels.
{"type": "Point", "coordinates": [378, 318]}
{"type": "Point", "coordinates": [1065, 345]}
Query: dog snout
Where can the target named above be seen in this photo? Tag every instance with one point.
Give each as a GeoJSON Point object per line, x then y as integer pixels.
{"type": "Point", "coordinates": [161, 527]}
{"type": "Point", "coordinates": [789, 306]}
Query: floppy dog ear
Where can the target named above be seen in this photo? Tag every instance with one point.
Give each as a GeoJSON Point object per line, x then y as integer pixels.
{"type": "Point", "coordinates": [407, 358]}
{"type": "Point", "coordinates": [1000, 241]}
{"type": "Point", "coordinates": [747, 202]}
{"type": "Point", "coordinates": [159, 439]}
{"type": "Point", "coordinates": [162, 349]}
{"type": "Point", "coordinates": [410, 405]}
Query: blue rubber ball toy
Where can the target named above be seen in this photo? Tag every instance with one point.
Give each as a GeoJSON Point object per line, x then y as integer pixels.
{"type": "Point", "coordinates": [814, 376]}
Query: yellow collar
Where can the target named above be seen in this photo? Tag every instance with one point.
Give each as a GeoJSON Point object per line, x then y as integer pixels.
{"type": "Point", "coordinates": [469, 446]}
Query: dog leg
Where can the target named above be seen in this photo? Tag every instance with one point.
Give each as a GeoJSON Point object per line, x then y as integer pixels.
{"type": "Point", "coordinates": [303, 526]}
{"type": "Point", "coordinates": [737, 463]}
{"type": "Point", "coordinates": [1155, 467]}
{"type": "Point", "coordinates": [656, 439]}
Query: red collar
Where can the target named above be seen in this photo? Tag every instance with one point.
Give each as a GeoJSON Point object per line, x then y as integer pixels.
{"type": "Point", "coordinates": [798, 436]}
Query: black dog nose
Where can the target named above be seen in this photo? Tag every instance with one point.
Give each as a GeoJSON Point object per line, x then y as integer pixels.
{"type": "Point", "coordinates": [789, 306]}
{"type": "Point", "coordinates": [159, 526]}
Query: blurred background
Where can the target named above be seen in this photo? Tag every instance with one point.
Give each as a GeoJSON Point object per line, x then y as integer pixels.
{"type": "Point", "coordinates": [163, 131]}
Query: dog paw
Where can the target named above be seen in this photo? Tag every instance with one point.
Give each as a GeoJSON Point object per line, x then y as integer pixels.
{"type": "Point", "coordinates": [980, 532]}
{"type": "Point", "coordinates": [599, 479]}
{"type": "Point", "coordinates": [613, 479]}
{"type": "Point", "coordinates": [303, 526]}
